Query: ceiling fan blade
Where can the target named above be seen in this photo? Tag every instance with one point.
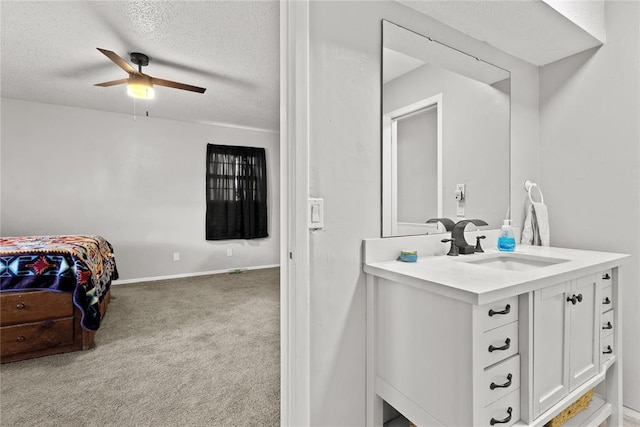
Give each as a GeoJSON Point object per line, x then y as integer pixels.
{"type": "Point", "coordinates": [112, 83]}
{"type": "Point", "coordinates": [119, 61]}
{"type": "Point", "coordinates": [176, 85]}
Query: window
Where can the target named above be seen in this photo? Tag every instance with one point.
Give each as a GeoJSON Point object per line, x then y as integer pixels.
{"type": "Point", "coordinates": [236, 193]}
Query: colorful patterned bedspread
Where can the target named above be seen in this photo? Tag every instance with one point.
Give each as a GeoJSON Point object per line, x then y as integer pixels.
{"type": "Point", "coordinates": [84, 265]}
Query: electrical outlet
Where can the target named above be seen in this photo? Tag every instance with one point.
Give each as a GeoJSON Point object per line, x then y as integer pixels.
{"type": "Point", "coordinates": [176, 256]}
{"type": "Point", "coordinates": [229, 252]}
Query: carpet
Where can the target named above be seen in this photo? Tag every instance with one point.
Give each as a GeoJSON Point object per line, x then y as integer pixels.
{"type": "Point", "coordinates": [201, 351]}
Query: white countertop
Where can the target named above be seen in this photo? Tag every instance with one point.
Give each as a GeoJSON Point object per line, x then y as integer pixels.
{"type": "Point", "coordinates": [456, 277]}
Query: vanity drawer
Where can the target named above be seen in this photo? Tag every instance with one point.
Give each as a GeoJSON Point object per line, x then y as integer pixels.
{"type": "Point", "coordinates": [607, 348]}
{"type": "Point", "coordinates": [607, 324]}
{"type": "Point", "coordinates": [500, 343]}
{"type": "Point", "coordinates": [504, 412]}
{"type": "Point", "coordinates": [607, 299]}
{"type": "Point", "coordinates": [501, 379]}
{"type": "Point", "coordinates": [31, 306]}
{"type": "Point", "coordinates": [499, 313]}
{"type": "Point", "coordinates": [36, 336]}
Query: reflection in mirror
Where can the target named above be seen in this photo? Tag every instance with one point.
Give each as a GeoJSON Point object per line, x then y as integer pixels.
{"type": "Point", "coordinates": [445, 121]}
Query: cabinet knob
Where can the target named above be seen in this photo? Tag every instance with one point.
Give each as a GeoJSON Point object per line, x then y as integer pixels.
{"type": "Point", "coordinates": [20, 338]}
{"type": "Point", "coordinates": [20, 305]}
{"type": "Point", "coordinates": [507, 344]}
{"type": "Point", "coordinates": [609, 350]}
{"type": "Point", "coordinates": [494, 386]}
{"type": "Point", "coordinates": [504, 421]}
{"type": "Point", "coordinates": [506, 310]}
{"type": "Point", "coordinates": [575, 299]}
{"type": "Point", "coordinates": [608, 326]}
{"type": "Point", "coordinates": [606, 301]}
{"type": "Point", "coordinates": [606, 277]}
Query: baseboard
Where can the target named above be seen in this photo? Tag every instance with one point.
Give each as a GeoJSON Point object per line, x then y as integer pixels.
{"type": "Point", "coordinates": [199, 273]}
{"type": "Point", "coordinates": [631, 414]}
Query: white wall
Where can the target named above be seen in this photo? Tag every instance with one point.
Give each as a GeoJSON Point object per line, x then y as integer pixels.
{"type": "Point", "coordinates": [140, 184]}
{"type": "Point", "coordinates": [345, 156]}
{"type": "Point", "coordinates": [590, 160]}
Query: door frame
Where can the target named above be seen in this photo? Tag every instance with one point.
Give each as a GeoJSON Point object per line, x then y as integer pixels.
{"type": "Point", "coordinates": [294, 234]}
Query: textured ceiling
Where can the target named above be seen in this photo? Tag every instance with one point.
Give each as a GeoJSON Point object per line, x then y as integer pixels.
{"type": "Point", "coordinates": [532, 30]}
{"type": "Point", "coordinates": [230, 47]}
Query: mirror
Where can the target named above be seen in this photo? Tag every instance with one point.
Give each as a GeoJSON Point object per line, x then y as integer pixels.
{"type": "Point", "coordinates": [445, 123]}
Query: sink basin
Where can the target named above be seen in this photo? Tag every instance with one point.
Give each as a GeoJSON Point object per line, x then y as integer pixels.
{"type": "Point", "coordinates": [515, 262]}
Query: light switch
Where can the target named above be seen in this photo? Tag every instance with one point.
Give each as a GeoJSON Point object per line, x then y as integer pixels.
{"type": "Point", "coordinates": [316, 214]}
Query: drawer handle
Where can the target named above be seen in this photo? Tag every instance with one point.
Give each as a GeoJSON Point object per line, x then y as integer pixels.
{"type": "Point", "coordinates": [20, 338]}
{"type": "Point", "coordinates": [609, 350]}
{"type": "Point", "coordinates": [575, 299]}
{"type": "Point", "coordinates": [606, 277]}
{"type": "Point", "coordinates": [494, 386]}
{"type": "Point", "coordinates": [608, 326]}
{"type": "Point", "coordinates": [20, 305]}
{"type": "Point", "coordinates": [506, 310]}
{"type": "Point", "coordinates": [507, 344]}
{"type": "Point", "coordinates": [504, 421]}
{"type": "Point", "coordinates": [606, 301]}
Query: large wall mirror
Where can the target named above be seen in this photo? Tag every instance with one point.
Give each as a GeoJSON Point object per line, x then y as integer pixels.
{"type": "Point", "coordinates": [445, 122]}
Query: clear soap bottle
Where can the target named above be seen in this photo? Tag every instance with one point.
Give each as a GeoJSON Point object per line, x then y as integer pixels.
{"type": "Point", "coordinates": [506, 241]}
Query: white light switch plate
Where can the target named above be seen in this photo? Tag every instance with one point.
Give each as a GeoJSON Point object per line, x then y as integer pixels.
{"type": "Point", "coordinates": [316, 214]}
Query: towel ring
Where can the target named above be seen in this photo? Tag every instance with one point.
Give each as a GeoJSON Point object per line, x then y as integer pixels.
{"type": "Point", "coordinates": [528, 186]}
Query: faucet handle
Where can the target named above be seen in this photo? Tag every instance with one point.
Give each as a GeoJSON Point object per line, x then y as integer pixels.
{"type": "Point", "coordinates": [453, 250]}
{"type": "Point", "coordinates": [478, 248]}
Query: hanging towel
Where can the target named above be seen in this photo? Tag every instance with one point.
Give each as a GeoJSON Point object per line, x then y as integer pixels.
{"type": "Point", "coordinates": [536, 226]}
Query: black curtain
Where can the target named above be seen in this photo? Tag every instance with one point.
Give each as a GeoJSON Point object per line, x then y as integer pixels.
{"type": "Point", "coordinates": [236, 192]}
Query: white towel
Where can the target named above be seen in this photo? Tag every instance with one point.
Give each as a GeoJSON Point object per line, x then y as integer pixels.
{"type": "Point", "coordinates": [536, 226]}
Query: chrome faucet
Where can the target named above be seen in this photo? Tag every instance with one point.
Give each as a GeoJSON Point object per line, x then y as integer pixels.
{"type": "Point", "coordinates": [457, 234]}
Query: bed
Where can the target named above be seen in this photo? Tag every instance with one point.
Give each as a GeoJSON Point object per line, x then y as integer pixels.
{"type": "Point", "coordinates": [54, 291]}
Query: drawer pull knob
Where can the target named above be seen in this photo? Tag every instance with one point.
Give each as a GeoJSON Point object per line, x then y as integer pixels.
{"type": "Point", "coordinates": [20, 338]}
{"type": "Point", "coordinates": [504, 421]}
{"type": "Point", "coordinates": [506, 310]}
{"type": "Point", "coordinates": [606, 301]}
{"type": "Point", "coordinates": [20, 305]}
{"type": "Point", "coordinates": [606, 277]}
{"type": "Point", "coordinates": [608, 326]}
{"type": "Point", "coordinates": [575, 299]}
{"type": "Point", "coordinates": [507, 344]}
{"type": "Point", "coordinates": [494, 386]}
{"type": "Point", "coordinates": [609, 350]}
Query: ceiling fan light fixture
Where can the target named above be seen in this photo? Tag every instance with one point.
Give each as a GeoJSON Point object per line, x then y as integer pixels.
{"type": "Point", "coordinates": [140, 87]}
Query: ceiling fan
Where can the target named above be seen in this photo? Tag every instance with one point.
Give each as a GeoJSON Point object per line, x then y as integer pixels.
{"type": "Point", "coordinates": [140, 85]}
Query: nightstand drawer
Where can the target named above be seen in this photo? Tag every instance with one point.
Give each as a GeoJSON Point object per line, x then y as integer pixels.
{"type": "Point", "coordinates": [499, 313]}
{"type": "Point", "coordinates": [36, 336]}
{"type": "Point", "coordinates": [500, 343]}
{"type": "Point", "coordinates": [31, 306]}
{"type": "Point", "coordinates": [501, 379]}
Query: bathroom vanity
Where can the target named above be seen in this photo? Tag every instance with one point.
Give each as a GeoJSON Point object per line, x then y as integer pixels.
{"type": "Point", "coordinates": [492, 338]}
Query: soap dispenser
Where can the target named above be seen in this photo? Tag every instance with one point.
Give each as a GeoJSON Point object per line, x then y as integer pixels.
{"type": "Point", "coordinates": [506, 241]}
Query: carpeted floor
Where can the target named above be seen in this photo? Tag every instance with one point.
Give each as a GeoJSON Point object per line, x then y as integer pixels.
{"type": "Point", "coordinates": [202, 351]}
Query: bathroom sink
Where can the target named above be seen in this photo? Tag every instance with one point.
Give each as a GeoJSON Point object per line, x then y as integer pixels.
{"type": "Point", "coordinates": [515, 262]}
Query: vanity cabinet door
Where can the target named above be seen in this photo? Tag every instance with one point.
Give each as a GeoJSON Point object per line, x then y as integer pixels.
{"type": "Point", "coordinates": [566, 319]}
{"type": "Point", "coordinates": [583, 335]}
{"type": "Point", "coordinates": [550, 352]}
